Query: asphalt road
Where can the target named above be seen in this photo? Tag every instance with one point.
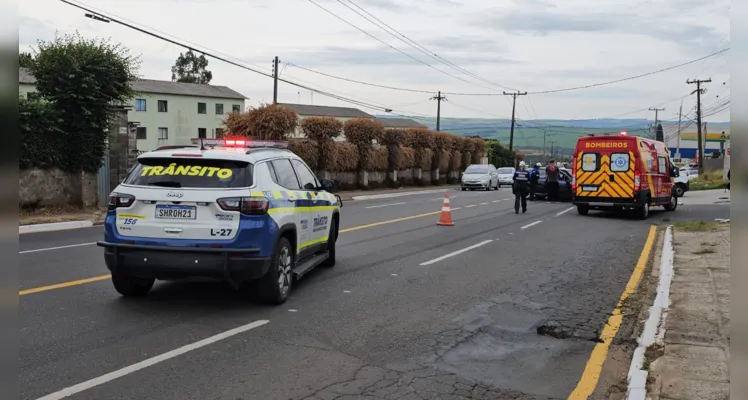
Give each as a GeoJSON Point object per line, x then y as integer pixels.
{"type": "Point", "coordinates": [412, 310]}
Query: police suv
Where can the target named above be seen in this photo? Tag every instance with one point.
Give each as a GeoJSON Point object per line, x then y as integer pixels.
{"type": "Point", "coordinates": [231, 209]}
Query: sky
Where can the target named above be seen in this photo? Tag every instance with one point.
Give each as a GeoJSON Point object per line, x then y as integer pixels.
{"type": "Point", "coordinates": [476, 46]}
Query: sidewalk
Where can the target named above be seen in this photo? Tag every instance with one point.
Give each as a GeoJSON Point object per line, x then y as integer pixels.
{"type": "Point", "coordinates": [694, 363]}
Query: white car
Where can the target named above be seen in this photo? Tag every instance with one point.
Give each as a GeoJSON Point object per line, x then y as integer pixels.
{"type": "Point", "coordinates": [506, 176]}
{"type": "Point", "coordinates": [480, 176]}
{"type": "Point", "coordinates": [683, 181]}
{"type": "Point", "coordinates": [229, 209]}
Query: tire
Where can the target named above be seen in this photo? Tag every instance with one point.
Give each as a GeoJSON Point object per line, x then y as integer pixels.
{"type": "Point", "coordinates": [331, 239]}
{"type": "Point", "coordinates": [583, 210]}
{"type": "Point", "coordinates": [132, 286]}
{"type": "Point", "coordinates": [680, 189]}
{"type": "Point", "coordinates": [275, 287]}
{"type": "Point", "coordinates": [643, 211]}
{"type": "Point", "coordinates": [464, 188]}
{"type": "Point", "coordinates": [673, 205]}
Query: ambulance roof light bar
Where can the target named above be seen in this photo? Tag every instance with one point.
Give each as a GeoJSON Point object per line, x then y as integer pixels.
{"type": "Point", "coordinates": [624, 133]}
{"type": "Point", "coordinates": [240, 143]}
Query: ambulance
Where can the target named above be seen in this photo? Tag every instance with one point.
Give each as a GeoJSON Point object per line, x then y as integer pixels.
{"type": "Point", "coordinates": [621, 172]}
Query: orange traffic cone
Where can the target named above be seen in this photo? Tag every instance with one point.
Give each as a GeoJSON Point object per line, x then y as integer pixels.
{"type": "Point", "coordinates": [446, 217]}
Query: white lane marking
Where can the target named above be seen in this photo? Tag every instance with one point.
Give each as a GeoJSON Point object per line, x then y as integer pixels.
{"type": "Point", "coordinates": [470, 206]}
{"type": "Point", "coordinates": [386, 205]}
{"type": "Point", "coordinates": [496, 201]}
{"type": "Point", "coordinates": [56, 248]}
{"type": "Point", "coordinates": [483, 204]}
{"type": "Point", "coordinates": [346, 291]}
{"type": "Point", "coordinates": [565, 211]}
{"type": "Point", "coordinates": [393, 274]}
{"type": "Point", "coordinates": [442, 198]}
{"type": "Point", "coordinates": [292, 310]}
{"type": "Point", "coordinates": [149, 362]}
{"type": "Point", "coordinates": [529, 225]}
{"type": "Point", "coordinates": [454, 253]}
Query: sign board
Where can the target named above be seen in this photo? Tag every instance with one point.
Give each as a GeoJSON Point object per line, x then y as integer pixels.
{"type": "Point", "coordinates": [710, 137]}
{"type": "Point", "coordinates": [123, 130]}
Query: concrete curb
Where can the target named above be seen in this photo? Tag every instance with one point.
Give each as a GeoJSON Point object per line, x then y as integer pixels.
{"type": "Point", "coordinates": [57, 226]}
{"type": "Point", "coordinates": [654, 327]}
{"type": "Point", "coordinates": [400, 194]}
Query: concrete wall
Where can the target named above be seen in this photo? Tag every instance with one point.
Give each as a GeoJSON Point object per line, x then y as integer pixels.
{"type": "Point", "coordinates": [38, 188]}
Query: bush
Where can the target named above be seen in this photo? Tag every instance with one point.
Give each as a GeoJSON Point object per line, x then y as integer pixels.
{"type": "Point", "coordinates": [422, 140]}
{"type": "Point", "coordinates": [266, 122]}
{"type": "Point", "coordinates": [346, 157]}
{"type": "Point", "coordinates": [42, 143]}
{"type": "Point", "coordinates": [444, 160]}
{"type": "Point", "coordinates": [379, 160]}
{"type": "Point", "coordinates": [406, 158]}
{"type": "Point", "coordinates": [479, 146]}
{"type": "Point", "coordinates": [361, 132]}
{"type": "Point", "coordinates": [427, 155]}
{"type": "Point", "coordinates": [393, 139]}
{"type": "Point", "coordinates": [456, 161]}
{"type": "Point", "coordinates": [323, 130]}
{"type": "Point", "coordinates": [306, 149]}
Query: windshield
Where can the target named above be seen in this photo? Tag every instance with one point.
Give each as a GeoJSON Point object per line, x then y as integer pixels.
{"type": "Point", "coordinates": [477, 169]}
{"type": "Point", "coordinates": [190, 173]}
{"type": "Point", "coordinates": [506, 171]}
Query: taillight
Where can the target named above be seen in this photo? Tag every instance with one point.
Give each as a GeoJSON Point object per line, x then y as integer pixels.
{"type": "Point", "coordinates": [117, 200]}
{"type": "Point", "coordinates": [637, 182]}
{"type": "Point", "coordinates": [245, 205]}
{"type": "Point", "coordinates": [573, 184]}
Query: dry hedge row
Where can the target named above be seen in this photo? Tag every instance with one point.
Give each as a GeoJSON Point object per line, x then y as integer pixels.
{"type": "Point", "coordinates": [368, 145]}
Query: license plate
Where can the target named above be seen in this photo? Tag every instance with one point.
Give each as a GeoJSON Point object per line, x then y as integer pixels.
{"type": "Point", "coordinates": [589, 188]}
{"type": "Point", "coordinates": [167, 211]}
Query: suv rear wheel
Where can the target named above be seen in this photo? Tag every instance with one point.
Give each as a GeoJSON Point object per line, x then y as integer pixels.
{"type": "Point", "coordinates": [331, 239]}
{"type": "Point", "coordinates": [131, 286]}
{"type": "Point", "coordinates": [643, 211]}
{"type": "Point", "coordinates": [275, 286]}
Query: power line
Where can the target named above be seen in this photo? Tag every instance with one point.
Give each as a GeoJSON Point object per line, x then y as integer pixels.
{"type": "Point", "coordinates": [393, 47]}
{"type": "Point", "coordinates": [106, 17]}
{"type": "Point", "coordinates": [417, 46]}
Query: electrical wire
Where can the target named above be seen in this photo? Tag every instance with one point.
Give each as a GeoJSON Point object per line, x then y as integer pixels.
{"type": "Point", "coordinates": [393, 47]}
{"type": "Point", "coordinates": [405, 39]}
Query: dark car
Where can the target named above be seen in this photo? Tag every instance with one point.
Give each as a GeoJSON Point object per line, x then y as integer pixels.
{"type": "Point", "coordinates": [564, 185]}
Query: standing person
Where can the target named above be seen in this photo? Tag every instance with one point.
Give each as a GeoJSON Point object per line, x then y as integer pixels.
{"type": "Point", "coordinates": [520, 187]}
{"type": "Point", "coordinates": [534, 177]}
{"type": "Point", "coordinates": [551, 180]}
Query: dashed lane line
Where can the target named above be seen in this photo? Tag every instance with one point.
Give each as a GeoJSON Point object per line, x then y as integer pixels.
{"type": "Point", "coordinates": [386, 205]}
{"type": "Point", "coordinates": [454, 253]}
{"type": "Point", "coordinates": [89, 384]}
{"type": "Point", "coordinates": [565, 211]}
{"type": "Point", "coordinates": [531, 224]}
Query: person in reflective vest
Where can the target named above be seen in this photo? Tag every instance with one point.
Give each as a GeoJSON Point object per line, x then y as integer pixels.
{"type": "Point", "coordinates": [520, 187]}
{"type": "Point", "coordinates": [534, 178]}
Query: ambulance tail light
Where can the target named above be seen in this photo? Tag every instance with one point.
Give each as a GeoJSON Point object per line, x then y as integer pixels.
{"type": "Point", "coordinates": [637, 182]}
{"type": "Point", "coordinates": [117, 200]}
{"type": "Point", "coordinates": [245, 205]}
{"type": "Point", "coordinates": [573, 184]}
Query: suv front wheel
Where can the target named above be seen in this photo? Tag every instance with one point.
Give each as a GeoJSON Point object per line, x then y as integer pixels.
{"type": "Point", "coordinates": [275, 286]}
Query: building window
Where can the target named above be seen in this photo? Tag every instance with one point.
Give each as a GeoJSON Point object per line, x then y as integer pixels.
{"type": "Point", "coordinates": [219, 133]}
{"type": "Point", "coordinates": [219, 109]}
{"type": "Point", "coordinates": [163, 133]}
{"type": "Point", "coordinates": [202, 108]}
{"type": "Point", "coordinates": [140, 132]}
{"type": "Point", "coordinates": [140, 104]}
{"type": "Point", "coordinates": [163, 106]}
{"type": "Point", "coordinates": [236, 108]}
{"type": "Point", "coordinates": [201, 133]}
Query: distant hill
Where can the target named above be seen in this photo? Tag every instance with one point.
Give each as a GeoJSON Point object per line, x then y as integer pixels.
{"type": "Point", "coordinates": [528, 135]}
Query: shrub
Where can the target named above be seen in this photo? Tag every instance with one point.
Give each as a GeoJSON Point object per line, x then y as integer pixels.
{"type": "Point", "coordinates": [42, 142]}
{"type": "Point", "coordinates": [422, 140]}
{"type": "Point", "coordinates": [479, 146]}
{"type": "Point", "coordinates": [361, 132]}
{"type": "Point", "coordinates": [323, 130]}
{"type": "Point", "coordinates": [456, 161]}
{"type": "Point", "coordinates": [379, 159]}
{"type": "Point", "coordinates": [306, 149]}
{"type": "Point", "coordinates": [444, 160]}
{"type": "Point", "coordinates": [406, 158]}
{"type": "Point", "coordinates": [393, 139]}
{"type": "Point", "coordinates": [427, 155]}
{"type": "Point", "coordinates": [266, 122]}
{"type": "Point", "coordinates": [346, 157]}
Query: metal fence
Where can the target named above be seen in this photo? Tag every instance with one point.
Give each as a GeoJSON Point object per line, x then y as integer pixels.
{"type": "Point", "coordinates": [103, 181]}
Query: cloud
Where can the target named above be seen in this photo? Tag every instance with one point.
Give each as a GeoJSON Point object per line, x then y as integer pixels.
{"type": "Point", "coordinates": [690, 36]}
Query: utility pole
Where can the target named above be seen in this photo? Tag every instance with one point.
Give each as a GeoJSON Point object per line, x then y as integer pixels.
{"type": "Point", "coordinates": [680, 117]}
{"type": "Point", "coordinates": [545, 132]}
{"type": "Point", "coordinates": [698, 92]}
{"type": "Point", "coordinates": [439, 98]}
{"type": "Point", "coordinates": [275, 80]}
{"type": "Point", "coordinates": [553, 142]}
{"type": "Point", "coordinates": [514, 106]}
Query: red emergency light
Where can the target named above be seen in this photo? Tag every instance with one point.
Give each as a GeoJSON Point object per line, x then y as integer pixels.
{"type": "Point", "coordinates": [624, 133]}
{"type": "Point", "coordinates": [239, 143]}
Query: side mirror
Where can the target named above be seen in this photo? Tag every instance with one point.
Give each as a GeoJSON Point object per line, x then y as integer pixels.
{"type": "Point", "coordinates": [327, 184]}
{"type": "Point", "coordinates": [674, 172]}
{"type": "Point", "coordinates": [340, 200]}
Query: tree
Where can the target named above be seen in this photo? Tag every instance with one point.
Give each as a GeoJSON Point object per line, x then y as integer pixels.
{"type": "Point", "coordinates": [266, 122]}
{"type": "Point", "coordinates": [85, 80]}
{"type": "Point", "coordinates": [500, 156]}
{"type": "Point", "coordinates": [190, 68]}
{"type": "Point", "coordinates": [25, 60]}
{"type": "Point", "coordinates": [323, 131]}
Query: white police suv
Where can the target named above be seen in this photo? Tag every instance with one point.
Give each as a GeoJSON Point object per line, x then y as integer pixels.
{"type": "Point", "coordinates": [231, 209]}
